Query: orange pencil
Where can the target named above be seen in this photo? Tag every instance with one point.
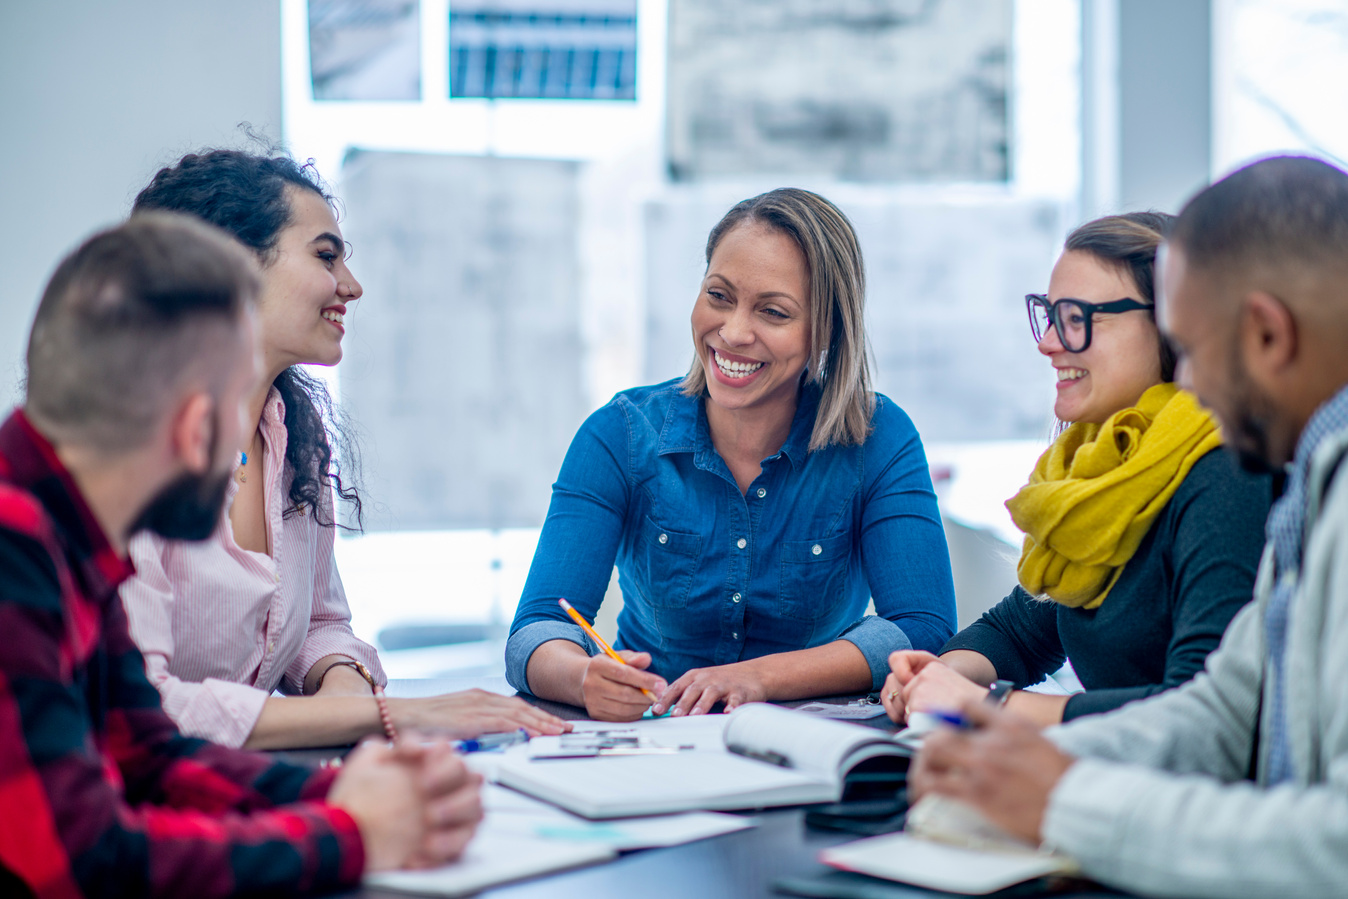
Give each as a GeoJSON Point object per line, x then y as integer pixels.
{"type": "Point", "coordinates": [594, 635]}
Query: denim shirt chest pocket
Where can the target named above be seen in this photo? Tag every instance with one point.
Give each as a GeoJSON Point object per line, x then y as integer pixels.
{"type": "Point", "coordinates": [669, 559]}
{"type": "Point", "coordinates": [813, 576]}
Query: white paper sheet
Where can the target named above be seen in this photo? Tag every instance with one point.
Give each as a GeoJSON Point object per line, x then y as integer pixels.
{"type": "Point", "coordinates": [851, 711]}
{"type": "Point", "coordinates": [702, 731]}
{"type": "Point", "coordinates": [509, 811]}
{"type": "Point", "coordinates": [494, 857]}
{"type": "Point", "coordinates": [938, 866]}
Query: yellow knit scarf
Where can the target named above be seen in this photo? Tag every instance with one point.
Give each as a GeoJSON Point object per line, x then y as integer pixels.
{"type": "Point", "coordinates": [1096, 491]}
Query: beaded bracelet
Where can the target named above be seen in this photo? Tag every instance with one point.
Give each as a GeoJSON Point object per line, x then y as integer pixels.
{"type": "Point", "coordinates": [384, 717]}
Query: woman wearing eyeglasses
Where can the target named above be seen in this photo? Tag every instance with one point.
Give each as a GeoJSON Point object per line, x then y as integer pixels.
{"type": "Point", "coordinates": [1141, 541]}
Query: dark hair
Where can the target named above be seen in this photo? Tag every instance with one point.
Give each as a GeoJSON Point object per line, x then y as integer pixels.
{"type": "Point", "coordinates": [840, 360]}
{"type": "Point", "coordinates": [1287, 212]}
{"type": "Point", "coordinates": [1128, 242]}
{"type": "Point", "coordinates": [126, 318]}
{"type": "Point", "coordinates": [245, 194]}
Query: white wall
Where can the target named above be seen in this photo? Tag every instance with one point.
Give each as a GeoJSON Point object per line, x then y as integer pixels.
{"type": "Point", "coordinates": [94, 97]}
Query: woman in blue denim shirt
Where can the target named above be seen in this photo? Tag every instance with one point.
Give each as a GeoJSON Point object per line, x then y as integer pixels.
{"type": "Point", "coordinates": [753, 507]}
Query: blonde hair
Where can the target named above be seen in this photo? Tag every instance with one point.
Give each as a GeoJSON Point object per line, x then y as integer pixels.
{"type": "Point", "coordinates": [840, 360]}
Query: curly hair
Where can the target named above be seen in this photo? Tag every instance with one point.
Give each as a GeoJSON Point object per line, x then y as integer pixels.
{"type": "Point", "coordinates": [245, 194]}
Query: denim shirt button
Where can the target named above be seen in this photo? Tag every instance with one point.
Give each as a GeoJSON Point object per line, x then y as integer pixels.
{"type": "Point", "coordinates": [734, 636]}
{"type": "Point", "coordinates": [664, 538]}
{"type": "Point", "coordinates": [762, 492]}
{"type": "Point", "coordinates": [741, 543]}
{"type": "Point", "coordinates": [735, 597]}
{"type": "Point", "coordinates": [816, 549]}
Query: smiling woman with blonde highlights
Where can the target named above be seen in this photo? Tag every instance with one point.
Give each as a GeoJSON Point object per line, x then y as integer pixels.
{"type": "Point", "coordinates": [753, 507]}
{"type": "Point", "coordinates": [833, 259]}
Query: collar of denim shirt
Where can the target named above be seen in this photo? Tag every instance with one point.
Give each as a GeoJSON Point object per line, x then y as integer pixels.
{"type": "Point", "coordinates": [686, 429]}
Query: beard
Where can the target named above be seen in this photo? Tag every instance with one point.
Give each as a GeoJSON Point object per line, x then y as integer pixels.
{"type": "Point", "coordinates": [1251, 416]}
{"type": "Point", "coordinates": [187, 509]}
{"type": "Point", "coordinates": [1253, 461]}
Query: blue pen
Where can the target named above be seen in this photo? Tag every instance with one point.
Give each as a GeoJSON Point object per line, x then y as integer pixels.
{"type": "Point", "coordinates": [954, 719]}
{"type": "Point", "coordinates": [493, 741]}
{"type": "Point", "coordinates": [998, 691]}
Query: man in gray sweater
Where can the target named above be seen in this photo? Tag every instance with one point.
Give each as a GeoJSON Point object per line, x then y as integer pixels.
{"type": "Point", "coordinates": [1235, 784]}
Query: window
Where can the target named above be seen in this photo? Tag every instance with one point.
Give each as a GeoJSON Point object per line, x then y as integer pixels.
{"type": "Point", "coordinates": [579, 50]}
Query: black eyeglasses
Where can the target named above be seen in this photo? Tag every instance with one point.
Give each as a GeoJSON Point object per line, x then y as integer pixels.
{"type": "Point", "coordinates": [1071, 318]}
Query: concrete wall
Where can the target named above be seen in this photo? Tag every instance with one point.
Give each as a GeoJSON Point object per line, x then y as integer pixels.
{"type": "Point", "coordinates": [463, 360]}
{"type": "Point", "coordinates": [876, 91]}
{"type": "Point", "coordinates": [94, 97]}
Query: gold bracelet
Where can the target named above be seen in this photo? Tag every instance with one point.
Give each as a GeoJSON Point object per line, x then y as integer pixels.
{"type": "Point", "coordinates": [385, 718]}
{"type": "Point", "coordinates": [345, 663]}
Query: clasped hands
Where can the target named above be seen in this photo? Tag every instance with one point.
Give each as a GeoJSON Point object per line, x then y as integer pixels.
{"type": "Point", "coordinates": [416, 804]}
{"type": "Point", "coordinates": [613, 691]}
{"type": "Point", "coordinates": [920, 682]}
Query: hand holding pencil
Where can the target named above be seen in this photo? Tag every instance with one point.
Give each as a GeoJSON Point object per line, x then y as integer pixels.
{"type": "Point", "coordinates": [615, 686]}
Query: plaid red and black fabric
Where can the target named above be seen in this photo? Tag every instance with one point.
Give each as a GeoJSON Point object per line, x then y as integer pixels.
{"type": "Point", "coordinates": [99, 793]}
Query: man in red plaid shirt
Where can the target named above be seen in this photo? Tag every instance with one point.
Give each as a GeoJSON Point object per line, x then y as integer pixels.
{"type": "Point", "coordinates": [141, 355]}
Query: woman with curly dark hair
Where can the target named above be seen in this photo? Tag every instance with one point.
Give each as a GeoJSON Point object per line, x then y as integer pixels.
{"type": "Point", "coordinates": [260, 606]}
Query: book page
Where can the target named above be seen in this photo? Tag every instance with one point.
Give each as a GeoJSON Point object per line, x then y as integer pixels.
{"type": "Point", "coordinates": [651, 782]}
{"type": "Point", "coordinates": [818, 745]}
{"type": "Point", "coordinates": [947, 820]}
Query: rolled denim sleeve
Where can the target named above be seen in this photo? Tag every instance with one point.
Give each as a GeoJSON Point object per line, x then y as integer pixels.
{"type": "Point", "coordinates": [579, 542]}
{"type": "Point", "coordinates": [524, 641]}
{"type": "Point", "coordinates": [876, 637]}
{"type": "Point", "coordinates": [903, 546]}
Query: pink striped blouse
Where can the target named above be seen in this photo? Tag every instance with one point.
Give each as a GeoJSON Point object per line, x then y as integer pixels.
{"type": "Point", "coordinates": [222, 627]}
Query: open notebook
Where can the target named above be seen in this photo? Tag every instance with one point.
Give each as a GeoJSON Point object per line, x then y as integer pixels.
{"type": "Point", "coordinates": [767, 756]}
{"type": "Point", "coordinates": [948, 846]}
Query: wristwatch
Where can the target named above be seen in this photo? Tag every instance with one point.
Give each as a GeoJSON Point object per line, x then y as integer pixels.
{"type": "Point", "coordinates": [999, 691]}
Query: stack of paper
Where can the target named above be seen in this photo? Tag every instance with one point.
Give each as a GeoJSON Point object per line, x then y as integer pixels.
{"type": "Point", "coordinates": [494, 858]}
{"type": "Point", "coordinates": [521, 837]}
